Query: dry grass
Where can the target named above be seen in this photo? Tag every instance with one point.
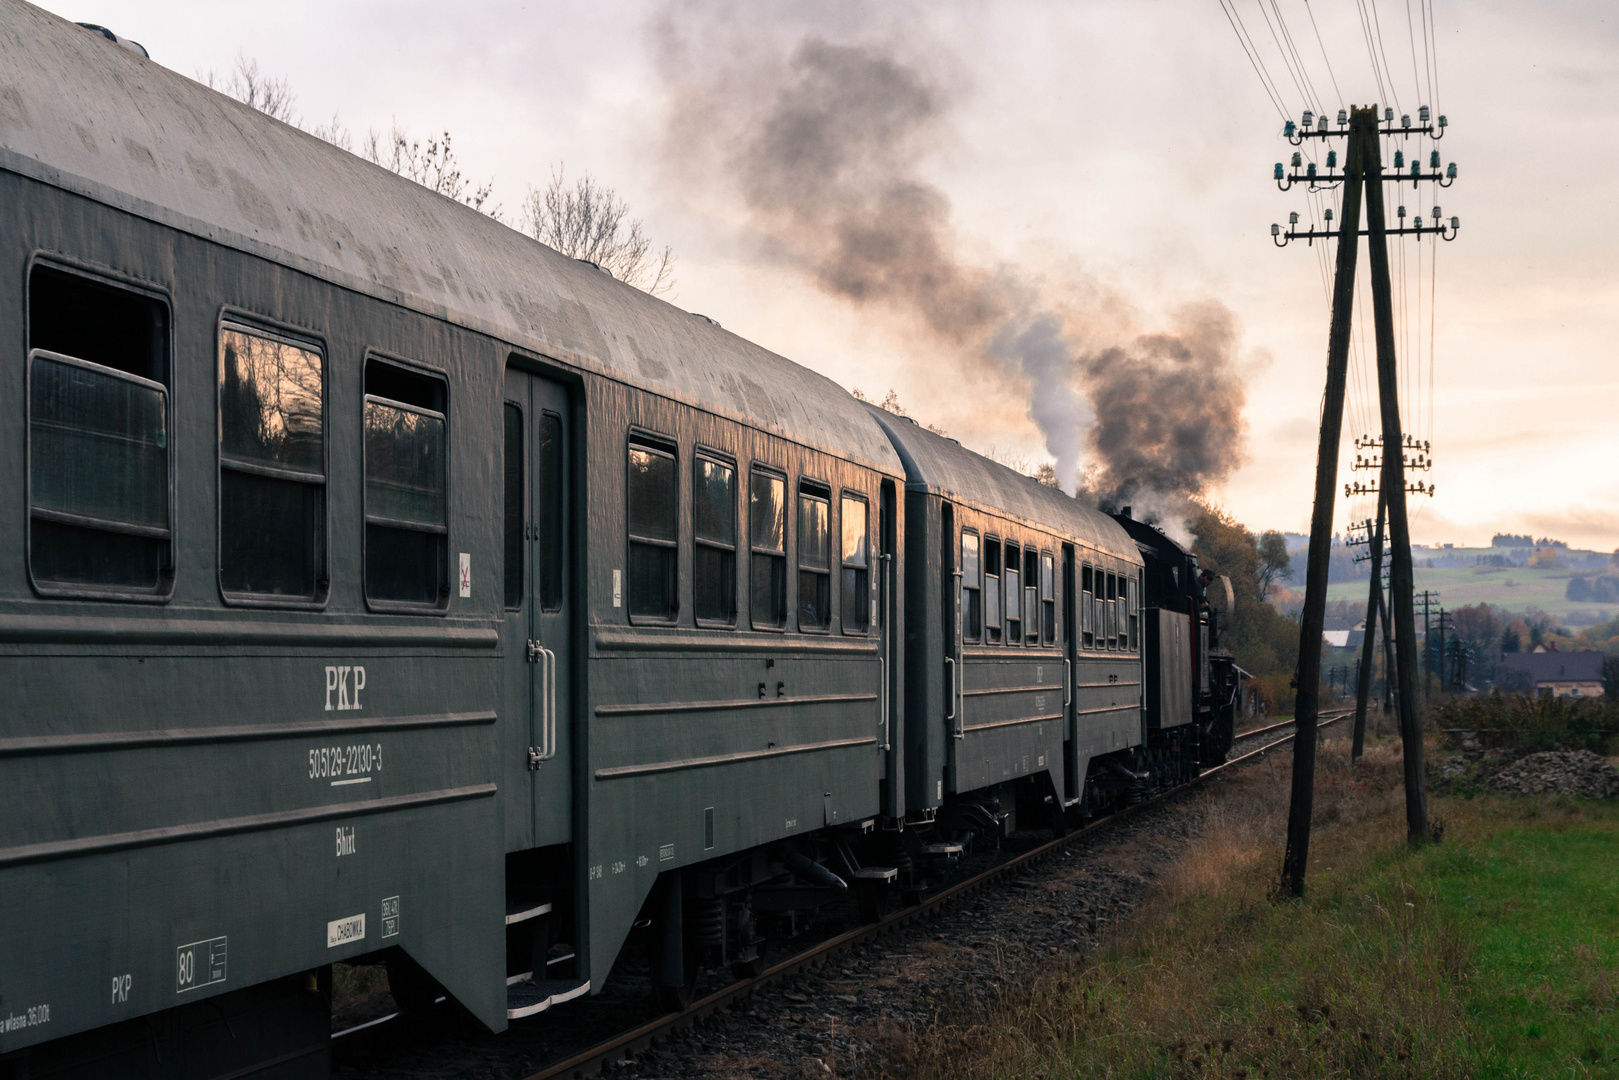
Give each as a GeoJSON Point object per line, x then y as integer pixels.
{"type": "Point", "coordinates": [1219, 978]}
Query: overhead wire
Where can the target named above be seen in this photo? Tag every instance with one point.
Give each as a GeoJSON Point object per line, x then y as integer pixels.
{"type": "Point", "coordinates": [1254, 60]}
{"type": "Point", "coordinates": [1371, 51]}
{"type": "Point", "coordinates": [1285, 44]}
{"type": "Point", "coordinates": [1377, 27]}
{"type": "Point", "coordinates": [1323, 47]}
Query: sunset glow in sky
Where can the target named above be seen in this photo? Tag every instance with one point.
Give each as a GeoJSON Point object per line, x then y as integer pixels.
{"type": "Point", "coordinates": [1113, 157]}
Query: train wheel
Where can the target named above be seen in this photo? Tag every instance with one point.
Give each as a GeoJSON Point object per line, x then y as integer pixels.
{"type": "Point", "coordinates": [413, 989]}
{"type": "Point", "coordinates": [749, 969]}
{"type": "Point", "coordinates": [678, 998]}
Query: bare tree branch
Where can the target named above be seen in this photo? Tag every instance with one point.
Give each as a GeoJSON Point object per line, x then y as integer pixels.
{"type": "Point", "coordinates": [587, 220]}
{"type": "Point", "coordinates": [271, 96]}
{"type": "Point", "coordinates": [433, 166]}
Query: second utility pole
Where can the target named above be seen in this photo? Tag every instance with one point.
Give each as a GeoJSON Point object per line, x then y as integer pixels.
{"type": "Point", "coordinates": [1392, 484]}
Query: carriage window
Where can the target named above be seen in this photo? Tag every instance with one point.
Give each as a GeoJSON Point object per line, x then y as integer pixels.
{"type": "Point", "coordinates": [767, 573]}
{"type": "Point", "coordinates": [852, 519]}
{"type": "Point", "coordinates": [406, 512]}
{"type": "Point", "coordinates": [98, 427]}
{"type": "Point", "coordinates": [1031, 596]}
{"type": "Point", "coordinates": [1135, 617]}
{"type": "Point", "coordinates": [653, 551]}
{"type": "Point", "coordinates": [992, 591]}
{"type": "Point", "coordinates": [1014, 596]}
{"type": "Point", "coordinates": [272, 468]}
{"type": "Point", "coordinates": [548, 515]}
{"type": "Point", "coordinates": [1048, 601]}
{"type": "Point", "coordinates": [713, 512]}
{"type": "Point", "coordinates": [1087, 612]}
{"type": "Point", "coordinates": [814, 565]}
{"type": "Point", "coordinates": [1112, 611]}
{"type": "Point", "coordinates": [513, 569]}
{"type": "Point", "coordinates": [972, 614]}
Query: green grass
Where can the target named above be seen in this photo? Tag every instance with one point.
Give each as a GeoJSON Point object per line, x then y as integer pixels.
{"type": "Point", "coordinates": [1517, 589]}
{"type": "Point", "coordinates": [1540, 903]}
{"type": "Point", "coordinates": [1491, 954]}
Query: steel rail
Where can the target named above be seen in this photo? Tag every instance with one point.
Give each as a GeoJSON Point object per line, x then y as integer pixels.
{"type": "Point", "coordinates": [638, 1039]}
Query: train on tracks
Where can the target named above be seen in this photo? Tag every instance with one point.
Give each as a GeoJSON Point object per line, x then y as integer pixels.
{"type": "Point", "coordinates": [382, 586]}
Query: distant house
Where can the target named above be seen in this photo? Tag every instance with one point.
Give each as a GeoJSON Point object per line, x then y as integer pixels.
{"type": "Point", "coordinates": [1561, 674]}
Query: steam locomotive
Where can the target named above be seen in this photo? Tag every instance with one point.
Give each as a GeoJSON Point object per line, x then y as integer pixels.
{"type": "Point", "coordinates": [386, 587]}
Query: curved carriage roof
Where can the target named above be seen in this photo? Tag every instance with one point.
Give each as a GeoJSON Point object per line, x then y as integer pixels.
{"type": "Point", "coordinates": [85, 114]}
{"type": "Point", "coordinates": [942, 466]}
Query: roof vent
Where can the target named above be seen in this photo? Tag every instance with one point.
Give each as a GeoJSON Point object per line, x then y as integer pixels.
{"type": "Point", "coordinates": [597, 265]}
{"type": "Point", "coordinates": [133, 46]}
{"type": "Point", "coordinates": [705, 318]}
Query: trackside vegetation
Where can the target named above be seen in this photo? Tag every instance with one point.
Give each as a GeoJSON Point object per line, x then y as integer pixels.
{"type": "Point", "coordinates": [1491, 954]}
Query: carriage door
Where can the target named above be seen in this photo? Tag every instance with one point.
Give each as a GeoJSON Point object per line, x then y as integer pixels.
{"type": "Point", "coordinates": [538, 556]}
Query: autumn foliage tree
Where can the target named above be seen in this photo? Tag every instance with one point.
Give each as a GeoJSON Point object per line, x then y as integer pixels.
{"type": "Point", "coordinates": [1264, 641]}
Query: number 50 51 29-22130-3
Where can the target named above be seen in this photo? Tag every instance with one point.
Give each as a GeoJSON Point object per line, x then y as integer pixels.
{"type": "Point", "coordinates": [352, 764]}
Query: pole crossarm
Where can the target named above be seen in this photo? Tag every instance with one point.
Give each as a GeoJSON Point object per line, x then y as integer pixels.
{"type": "Point", "coordinates": [1319, 181]}
{"type": "Point", "coordinates": [1444, 232]}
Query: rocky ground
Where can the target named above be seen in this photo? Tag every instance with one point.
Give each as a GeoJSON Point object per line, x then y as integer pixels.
{"type": "Point", "coordinates": [850, 1016]}
{"type": "Point", "coordinates": [1579, 773]}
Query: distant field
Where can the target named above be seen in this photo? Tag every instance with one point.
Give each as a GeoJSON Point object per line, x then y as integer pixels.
{"type": "Point", "coordinates": [1517, 589]}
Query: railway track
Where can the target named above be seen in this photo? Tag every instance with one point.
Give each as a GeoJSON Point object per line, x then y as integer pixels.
{"type": "Point", "coordinates": [630, 1042]}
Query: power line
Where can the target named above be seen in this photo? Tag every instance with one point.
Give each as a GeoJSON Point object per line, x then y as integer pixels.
{"type": "Point", "coordinates": [1371, 51]}
{"type": "Point", "coordinates": [1289, 48]}
{"type": "Point", "coordinates": [1253, 59]}
{"type": "Point", "coordinates": [1416, 74]}
{"type": "Point", "coordinates": [1378, 27]}
{"type": "Point", "coordinates": [1323, 48]}
{"type": "Point", "coordinates": [1434, 36]}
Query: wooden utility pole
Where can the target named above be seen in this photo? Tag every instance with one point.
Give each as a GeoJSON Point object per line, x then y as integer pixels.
{"type": "Point", "coordinates": [1306, 704]}
{"type": "Point", "coordinates": [1363, 687]}
{"type": "Point", "coordinates": [1362, 175]}
{"type": "Point", "coordinates": [1401, 578]}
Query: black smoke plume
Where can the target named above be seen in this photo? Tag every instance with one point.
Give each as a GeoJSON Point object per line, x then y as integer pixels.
{"type": "Point", "coordinates": [825, 150]}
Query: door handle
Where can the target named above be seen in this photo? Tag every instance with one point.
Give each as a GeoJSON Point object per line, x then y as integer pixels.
{"type": "Point", "coordinates": [951, 715]}
{"type": "Point", "coordinates": [882, 696]}
{"type": "Point", "coordinates": [1067, 683]}
{"type": "Point", "coordinates": [551, 704]}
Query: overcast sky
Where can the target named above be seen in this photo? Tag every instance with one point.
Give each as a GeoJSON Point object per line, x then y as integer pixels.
{"type": "Point", "coordinates": [1123, 148]}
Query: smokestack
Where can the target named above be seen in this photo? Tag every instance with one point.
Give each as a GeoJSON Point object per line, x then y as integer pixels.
{"type": "Point", "coordinates": [1124, 512]}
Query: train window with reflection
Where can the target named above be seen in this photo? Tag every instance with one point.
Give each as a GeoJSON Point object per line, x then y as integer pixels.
{"type": "Point", "coordinates": [713, 518]}
{"type": "Point", "coordinates": [1014, 595]}
{"type": "Point", "coordinates": [1087, 609]}
{"type": "Point", "coordinates": [1048, 599]}
{"type": "Point", "coordinates": [767, 570]}
{"type": "Point", "coordinates": [992, 591]}
{"type": "Point", "coordinates": [406, 511]}
{"type": "Point", "coordinates": [1132, 608]}
{"type": "Point", "coordinates": [1112, 609]}
{"type": "Point", "coordinates": [272, 468]}
{"type": "Point", "coordinates": [652, 515]}
{"type": "Point", "coordinates": [1031, 596]}
{"type": "Point", "coordinates": [972, 614]}
{"type": "Point", "coordinates": [515, 523]}
{"type": "Point", "coordinates": [854, 524]}
{"type": "Point", "coordinates": [814, 561]}
{"type": "Point", "coordinates": [98, 438]}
